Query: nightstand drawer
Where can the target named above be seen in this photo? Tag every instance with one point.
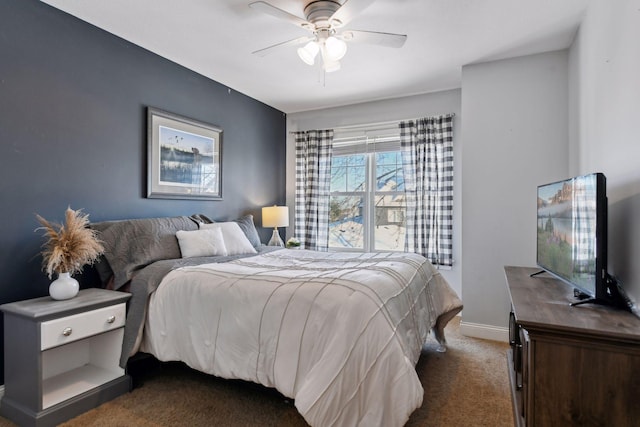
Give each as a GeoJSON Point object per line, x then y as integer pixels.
{"type": "Point", "coordinates": [72, 328]}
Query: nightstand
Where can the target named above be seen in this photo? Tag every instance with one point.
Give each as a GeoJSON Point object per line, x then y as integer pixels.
{"type": "Point", "coordinates": [62, 357]}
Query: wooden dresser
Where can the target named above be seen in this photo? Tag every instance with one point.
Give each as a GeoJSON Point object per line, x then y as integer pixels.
{"type": "Point", "coordinates": [570, 366]}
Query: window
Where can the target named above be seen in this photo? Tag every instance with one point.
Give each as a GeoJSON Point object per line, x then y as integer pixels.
{"type": "Point", "coordinates": [390, 188]}
{"type": "Point", "coordinates": [367, 202]}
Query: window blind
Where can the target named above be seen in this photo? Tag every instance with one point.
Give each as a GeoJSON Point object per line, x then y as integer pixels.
{"type": "Point", "coordinates": [373, 139]}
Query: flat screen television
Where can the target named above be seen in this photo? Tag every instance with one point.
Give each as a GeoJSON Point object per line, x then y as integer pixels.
{"type": "Point", "coordinates": [572, 234]}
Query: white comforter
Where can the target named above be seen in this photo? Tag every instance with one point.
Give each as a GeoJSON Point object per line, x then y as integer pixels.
{"type": "Point", "coordinates": [340, 333]}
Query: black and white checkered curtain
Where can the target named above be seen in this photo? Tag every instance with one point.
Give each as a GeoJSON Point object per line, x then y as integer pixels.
{"type": "Point", "coordinates": [427, 161]}
{"type": "Point", "coordinates": [313, 182]}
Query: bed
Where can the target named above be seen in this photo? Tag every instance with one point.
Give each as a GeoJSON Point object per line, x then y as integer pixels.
{"type": "Point", "coordinates": [339, 333]}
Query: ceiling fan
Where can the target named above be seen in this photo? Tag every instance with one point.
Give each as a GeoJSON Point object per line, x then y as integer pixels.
{"type": "Point", "coordinates": [325, 19]}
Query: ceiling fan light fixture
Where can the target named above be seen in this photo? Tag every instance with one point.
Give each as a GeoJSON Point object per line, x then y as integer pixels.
{"type": "Point", "coordinates": [336, 48]}
{"type": "Point", "coordinates": [308, 52]}
{"type": "Point", "coordinates": [325, 19]}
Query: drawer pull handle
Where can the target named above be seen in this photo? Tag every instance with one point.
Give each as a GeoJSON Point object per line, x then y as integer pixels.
{"type": "Point", "coordinates": [111, 319]}
{"type": "Point", "coordinates": [67, 331]}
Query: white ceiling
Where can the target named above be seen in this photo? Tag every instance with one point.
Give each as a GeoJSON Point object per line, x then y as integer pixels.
{"type": "Point", "coordinates": [216, 37]}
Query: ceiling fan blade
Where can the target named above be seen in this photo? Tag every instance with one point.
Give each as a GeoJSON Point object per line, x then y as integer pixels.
{"type": "Point", "coordinates": [373, 37]}
{"type": "Point", "coordinates": [293, 42]}
{"type": "Point", "coordinates": [348, 10]}
{"type": "Point", "coordinates": [265, 7]}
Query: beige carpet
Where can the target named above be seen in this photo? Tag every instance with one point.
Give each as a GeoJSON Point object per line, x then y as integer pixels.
{"type": "Point", "coordinates": [466, 386]}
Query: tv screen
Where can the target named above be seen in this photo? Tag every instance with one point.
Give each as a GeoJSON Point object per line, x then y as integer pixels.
{"type": "Point", "coordinates": [572, 232]}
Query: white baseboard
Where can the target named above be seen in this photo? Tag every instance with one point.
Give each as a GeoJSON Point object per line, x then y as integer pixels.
{"type": "Point", "coordinates": [486, 332]}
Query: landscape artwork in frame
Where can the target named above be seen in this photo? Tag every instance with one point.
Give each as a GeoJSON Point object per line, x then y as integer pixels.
{"type": "Point", "coordinates": [184, 157]}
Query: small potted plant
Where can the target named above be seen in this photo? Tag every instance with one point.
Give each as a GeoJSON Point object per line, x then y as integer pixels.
{"type": "Point", "coordinates": [67, 249]}
{"type": "Point", "coordinates": [293, 243]}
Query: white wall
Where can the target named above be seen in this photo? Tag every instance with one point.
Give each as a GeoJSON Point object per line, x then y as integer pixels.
{"type": "Point", "coordinates": [382, 111]}
{"type": "Point", "coordinates": [605, 123]}
{"type": "Point", "coordinates": [515, 137]}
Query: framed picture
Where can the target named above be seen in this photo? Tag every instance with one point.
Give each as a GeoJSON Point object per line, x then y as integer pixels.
{"type": "Point", "coordinates": [184, 157]}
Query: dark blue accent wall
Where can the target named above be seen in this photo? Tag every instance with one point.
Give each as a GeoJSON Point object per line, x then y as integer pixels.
{"type": "Point", "coordinates": [73, 102]}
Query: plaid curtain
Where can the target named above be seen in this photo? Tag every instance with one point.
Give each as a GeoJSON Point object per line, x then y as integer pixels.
{"type": "Point", "coordinates": [427, 162]}
{"type": "Point", "coordinates": [313, 182]}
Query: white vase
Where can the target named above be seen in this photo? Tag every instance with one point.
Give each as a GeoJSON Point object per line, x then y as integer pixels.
{"type": "Point", "coordinates": [64, 287]}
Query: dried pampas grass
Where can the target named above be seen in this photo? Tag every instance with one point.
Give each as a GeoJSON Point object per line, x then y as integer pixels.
{"type": "Point", "coordinates": [71, 246]}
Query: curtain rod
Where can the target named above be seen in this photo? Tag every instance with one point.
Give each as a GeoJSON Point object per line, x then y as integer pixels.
{"type": "Point", "coordinates": [363, 126]}
{"type": "Point", "coordinates": [369, 125]}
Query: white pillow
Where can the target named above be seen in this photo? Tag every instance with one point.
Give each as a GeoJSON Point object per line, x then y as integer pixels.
{"type": "Point", "coordinates": [234, 238]}
{"type": "Point", "coordinates": [201, 243]}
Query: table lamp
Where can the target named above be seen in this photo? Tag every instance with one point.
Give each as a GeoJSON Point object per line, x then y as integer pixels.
{"type": "Point", "coordinates": [275, 216]}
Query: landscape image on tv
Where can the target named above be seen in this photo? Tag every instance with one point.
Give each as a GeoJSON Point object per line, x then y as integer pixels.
{"type": "Point", "coordinates": [567, 230]}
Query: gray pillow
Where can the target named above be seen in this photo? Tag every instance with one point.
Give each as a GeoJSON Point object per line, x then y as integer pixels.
{"type": "Point", "coordinates": [131, 245]}
{"type": "Point", "coordinates": [249, 229]}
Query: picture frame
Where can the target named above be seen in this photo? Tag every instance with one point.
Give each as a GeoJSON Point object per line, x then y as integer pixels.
{"type": "Point", "coordinates": [184, 157]}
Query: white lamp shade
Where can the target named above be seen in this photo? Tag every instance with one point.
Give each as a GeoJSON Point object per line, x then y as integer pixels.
{"type": "Point", "coordinates": [336, 48]}
{"type": "Point", "coordinates": [328, 65]}
{"type": "Point", "coordinates": [331, 66]}
{"type": "Point", "coordinates": [275, 216]}
{"type": "Point", "coordinates": [309, 52]}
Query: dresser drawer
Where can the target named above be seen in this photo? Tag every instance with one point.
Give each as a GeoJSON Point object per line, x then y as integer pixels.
{"type": "Point", "coordinates": [75, 327]}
